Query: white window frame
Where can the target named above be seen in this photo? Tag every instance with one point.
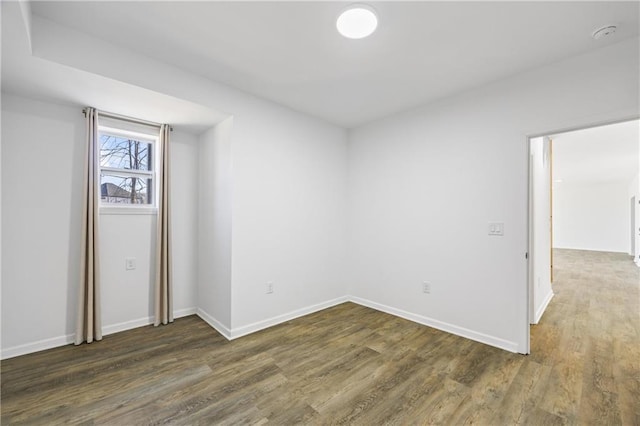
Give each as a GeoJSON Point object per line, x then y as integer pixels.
{"type": "Point", "coordinates": [124, 208]}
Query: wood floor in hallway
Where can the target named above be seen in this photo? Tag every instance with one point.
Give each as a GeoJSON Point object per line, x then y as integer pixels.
{"type": "Point", "coordinates": [353, 365]}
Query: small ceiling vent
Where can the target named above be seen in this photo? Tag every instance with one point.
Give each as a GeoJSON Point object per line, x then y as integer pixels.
{"type": "Point", "coordinates": [604, 32]}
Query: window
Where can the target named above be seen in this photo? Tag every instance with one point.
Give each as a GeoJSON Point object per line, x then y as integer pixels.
{"type": "Point", "coordinates": [127, 168]}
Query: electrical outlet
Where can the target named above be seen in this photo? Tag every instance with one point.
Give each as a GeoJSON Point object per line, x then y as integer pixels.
{"type": "Point", "coordinates": [426, 287]}
{"type": "Point", "coordinates": [269, 288]}
{"type": "Point", "coordinates": [130, 263]}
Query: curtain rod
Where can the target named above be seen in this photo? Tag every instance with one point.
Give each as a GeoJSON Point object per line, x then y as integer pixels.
{"type": "Point", "coordinates": [126, 118]}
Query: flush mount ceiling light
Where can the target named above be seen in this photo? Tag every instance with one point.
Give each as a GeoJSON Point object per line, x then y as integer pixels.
{"type": "Point", "coordinates": [604, 32]}
{"type": "Point", "coordinates": [357, 21]}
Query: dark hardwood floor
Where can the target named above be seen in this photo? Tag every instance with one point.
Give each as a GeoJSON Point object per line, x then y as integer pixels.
{"type": "Point", "coordinates": [353, 365]}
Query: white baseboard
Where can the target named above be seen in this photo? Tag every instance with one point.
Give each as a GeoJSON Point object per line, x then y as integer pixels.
{"type": "Point", "coordinates": [185, 312]}
{"type": "Point", "coordinates": [38, 346]}
{"type": "Point", "coordinates": [127, 325]}
{"type": "Point", "coordinates": [599, 250]}
{"type": "Point", "coordinates": [440, 325]}
{"type": "Point", "coordinates": [55, 342]}
{"type": "Point", "coordinates": [235, 333]}
{"type": "Point", "coordinates": [543, 307]}
{"type": "Point", "coordinates": [141, 322]}
{"type": "Point", "coordinates": [270, 322]}
{"type": "Point", "coordinates": [217, 325]}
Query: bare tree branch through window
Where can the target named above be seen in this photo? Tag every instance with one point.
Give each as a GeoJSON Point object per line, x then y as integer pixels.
{"type": "Point", "coordinates": [126, 170]}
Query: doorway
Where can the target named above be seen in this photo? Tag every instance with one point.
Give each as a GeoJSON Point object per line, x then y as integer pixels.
{"type": "Point", "coordinates": [584, 187]}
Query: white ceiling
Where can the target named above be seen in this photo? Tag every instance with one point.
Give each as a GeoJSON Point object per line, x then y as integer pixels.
{"type": "Point", "coordinates": [290, 52]}
{"type": "Point", "coordinates": [600, 154]}
{"type": "Point", "coordinates": [28, 75]}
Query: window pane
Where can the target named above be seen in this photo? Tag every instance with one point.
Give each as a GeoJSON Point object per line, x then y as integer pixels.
{"type": "Point", "coordinates": [125, 190]}
{"type": "Point", "coordinates": [124, 153]}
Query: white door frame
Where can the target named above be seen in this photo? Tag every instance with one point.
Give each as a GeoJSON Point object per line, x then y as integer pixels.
{"type": "Point", "coordinates": [636, 230]}
{"type": "Point", "coordinates": [632, 216]}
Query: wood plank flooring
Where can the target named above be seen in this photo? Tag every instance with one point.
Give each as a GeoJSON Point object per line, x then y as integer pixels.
{"type": "Point", "coordinates": [352, 365]}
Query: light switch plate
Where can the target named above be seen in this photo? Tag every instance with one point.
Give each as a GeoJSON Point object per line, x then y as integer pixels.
{"type": "Point", "coordinates": [496, 228]}
{"type": "Point", "coordinates": [130, 263]}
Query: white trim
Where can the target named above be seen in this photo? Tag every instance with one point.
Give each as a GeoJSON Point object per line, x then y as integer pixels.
{"type": "Point", "coordinates": [129, 210]}
{"type": "Point", "coordinates": [217, 325]}
{"type": "Point", "coordinates": [185, 312]}
{"type": "Point", "coordinates": [449, 328]}
{"type": "Point", "coordinates": [270, 322]}
{"type": "Point", "coordinates": [543, 307]}
{"type": "Point", "coordinates": [153, 142]}
{"type": "Point", "coordinates": [138, 136]}
{"type": "Point", "coordinates": [38, 346]}
{"type": "Point", "coordinates": [234, 333]}
{"type": "Point", "coordinates": [127, 325]}
{"type": "Point", "coordinates": [55, 342]}
{"type": "Point", "coordinates": [142, 322]}
{"type": "Point", "coordinates": [529, 255]}
{"type": "Point", "coordinates": [591, 249]}
{"type": "Point", "coordinates": [120, 172]}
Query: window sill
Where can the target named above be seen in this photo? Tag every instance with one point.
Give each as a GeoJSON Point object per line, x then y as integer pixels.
{"type": "Point", "coordinates": [129, 210]}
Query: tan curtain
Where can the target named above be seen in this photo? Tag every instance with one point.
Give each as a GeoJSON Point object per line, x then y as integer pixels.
{"type": "Point", "coordinates": [89, 324]}
{"type": "Point", "coordinates": [163, 290]}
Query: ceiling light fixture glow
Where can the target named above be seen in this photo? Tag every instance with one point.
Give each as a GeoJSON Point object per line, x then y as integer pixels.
{"type": "Point", "coordinates": [357, 21]}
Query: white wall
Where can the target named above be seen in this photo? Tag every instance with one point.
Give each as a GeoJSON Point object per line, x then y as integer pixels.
{"type": "Point", "coordinates": [289, 216]}
{"type": "Point", "coordinates": [127, 295]}
{"type": "Point", "coordinates": [41, 169]}
{"type": "Point", "coordinates": [272, 209]}
{"type": "Point", "coordinates": [288, 193]}
{"type": "Point", "coordinates": [42, 177]}
{"type": "Point", "coordinates": [591, 216]}
{"type": "Point", "coordinates": [421, 188]}
{"type": "Point", "coordinates": [214, 236]}
{"type": "Point", "coordinates": [184, 155]}
{"type": "Point", "coordinates": [540, 222]}
{"type": "Point", "coordinates": [289, 182]}
{"type": "Point", "coordinates": [425, 183]}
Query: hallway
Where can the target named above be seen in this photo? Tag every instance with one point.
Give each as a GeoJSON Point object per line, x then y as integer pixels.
{"type": "Point", "coordinates": [585, 353]}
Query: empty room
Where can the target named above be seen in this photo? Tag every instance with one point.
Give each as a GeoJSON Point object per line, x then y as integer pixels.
{"type": "Point", "coordinates": [316, 213]}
